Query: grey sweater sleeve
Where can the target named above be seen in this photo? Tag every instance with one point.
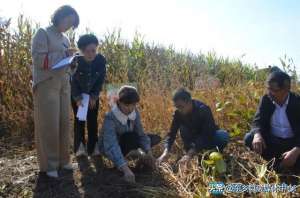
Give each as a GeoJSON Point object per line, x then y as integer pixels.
{"type": "Point", "coordinates": [111, 146]}
{"type": "Point", "coordinates": [39, 48]}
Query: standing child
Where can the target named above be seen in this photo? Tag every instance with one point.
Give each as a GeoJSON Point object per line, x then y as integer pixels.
{"type": "Point", "coordinates": [88, 79]}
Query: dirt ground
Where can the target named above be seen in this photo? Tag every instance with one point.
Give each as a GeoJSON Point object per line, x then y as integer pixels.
{"type": "Point", "coordinates": [95, 177]}
{"type": "Point", "coordinates": [19, 177]}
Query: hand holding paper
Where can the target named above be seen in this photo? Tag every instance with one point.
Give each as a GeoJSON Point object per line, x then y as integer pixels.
{"type": "Point", "coordinates": [83, 109]}
{"type": "Point", "coordinates": [64, 62]}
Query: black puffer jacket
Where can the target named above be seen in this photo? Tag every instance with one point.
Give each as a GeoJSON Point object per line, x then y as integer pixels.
{"type": "Point", "coordinates": [88, 78]}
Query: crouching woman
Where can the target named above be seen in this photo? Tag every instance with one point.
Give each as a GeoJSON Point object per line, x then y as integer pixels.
{"type": "Point", "coordinates": [122, 132]}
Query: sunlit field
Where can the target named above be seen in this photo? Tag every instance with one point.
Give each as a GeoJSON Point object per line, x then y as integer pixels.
{"type": "Point", "coordinates": [231, 88]}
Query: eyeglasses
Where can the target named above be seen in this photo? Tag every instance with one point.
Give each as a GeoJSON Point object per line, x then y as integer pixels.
{"type": "Point", "coordinates": [274, 89]}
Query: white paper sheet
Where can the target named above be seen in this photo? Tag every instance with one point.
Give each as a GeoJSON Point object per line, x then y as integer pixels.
{"type": "Point", "coordinates": [64, 62]}
{"type": "Point", "coordinates": [82, 110]}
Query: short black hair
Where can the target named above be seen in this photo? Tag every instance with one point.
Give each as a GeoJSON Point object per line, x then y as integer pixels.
{"type": "Point", "coordinates": [128, 95]}
{"type": "Point", "coordinates": [182, 94]}
{"type": "Point", "coordinates": [63, 12]}
{"type": "Point", "coordinates": [274, 69]}
{"type": "Point", "coordinates": [279, 80]}
{"type": "Point", "coordinates": [86, 40]}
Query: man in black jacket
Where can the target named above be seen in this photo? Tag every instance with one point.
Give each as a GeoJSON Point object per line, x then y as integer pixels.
{"type": "Point", "coordinates": [197, 127]}
{"type": "Point", "coordinates": [275, 130]}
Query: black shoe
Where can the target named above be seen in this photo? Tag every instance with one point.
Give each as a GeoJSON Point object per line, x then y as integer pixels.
{"type": "Point", "coordinates": [155, 139]}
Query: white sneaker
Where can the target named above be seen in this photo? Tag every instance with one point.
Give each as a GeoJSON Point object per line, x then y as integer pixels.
{"type": "Point", "coordinates": [96, 150]}
{"type": "Point", "coordinates": [70, 166]}
{"type": "Point", "coordinates": [81, 151]}
{"type": "Point", "coordinates": [52, 174]}
{"type": "Point", "coordinates": [136, 154]}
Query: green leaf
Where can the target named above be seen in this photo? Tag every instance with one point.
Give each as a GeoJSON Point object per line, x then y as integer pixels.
{"type": "Point", "coordinates": [220, 166]}
{"type": "Point", "coordinates": [261, 170]}
{"type": "Point", "coordinates": [219, 105]}
{"type": "Point", "coordinates": [219, 109]}
{"type": "Point", "coordinates": [209, 162]}
{"type": "Point", "coordinates": [227, 103]}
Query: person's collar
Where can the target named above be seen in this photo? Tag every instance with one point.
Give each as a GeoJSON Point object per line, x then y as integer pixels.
{"type": "Point", "coordinates": [193, 109]}
{"type": "Point", "coordinates": [284, 104]}
{"type": "Point", "coordinates": [54, 29]}
{"type": "Point", "coordinates": [194, 106]}
{"type": "Point", "coordinates": [287, 100]}
{"type": "Point", "coordinates": [121, 116]}
{"type": "Point", "coordinates": [90, 62]}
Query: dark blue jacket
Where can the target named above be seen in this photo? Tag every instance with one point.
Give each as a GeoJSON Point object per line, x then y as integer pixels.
{"type": "Point", "coordinates": [196, 129]}
{"type": "Point", "coordinates": [88, 78]}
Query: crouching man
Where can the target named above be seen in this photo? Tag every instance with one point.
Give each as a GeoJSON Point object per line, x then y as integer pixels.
{"type": "Point", "coordinates": [197, 127]}
{"type": "Point", "coordinates": [275, 131]}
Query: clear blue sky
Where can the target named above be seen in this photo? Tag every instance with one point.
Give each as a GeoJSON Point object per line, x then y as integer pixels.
{"type": "Point", "coordinates": [263, 30]}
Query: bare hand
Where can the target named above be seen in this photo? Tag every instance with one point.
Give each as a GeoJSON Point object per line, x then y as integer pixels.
{"type": "Point", "coordinates": [71, 51]}
{"type": "Point", "coordinates": [289, 158]}
{"type": "Point", "coordinates": [128, 174]}
{"type": "Point", "coordinates": [79, 103]}
{"type": "Point", "coordinates": [160, 160]}
{"type": "Point", "coordinates": [92, 103]}
{"type": "Point", "coordinates": [258, 143]}
{"type": "Point", "coordinates": [150, 160]}
{"type": "Point", "coordinates": [162, 157]}
{"type": "Point", "coordinates": [184, 160]}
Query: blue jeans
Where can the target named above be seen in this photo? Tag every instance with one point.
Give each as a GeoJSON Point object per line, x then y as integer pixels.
{"type": "Point", "coordinates": [248, 138]}
{"type": "Point", "coordinates": [220, 140]}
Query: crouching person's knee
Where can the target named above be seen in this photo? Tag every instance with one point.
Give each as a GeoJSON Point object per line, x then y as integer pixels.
{"type": "Point", "coordinates": [221, 139]}
{"type": "Point", "coordinates": [248, 138]}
